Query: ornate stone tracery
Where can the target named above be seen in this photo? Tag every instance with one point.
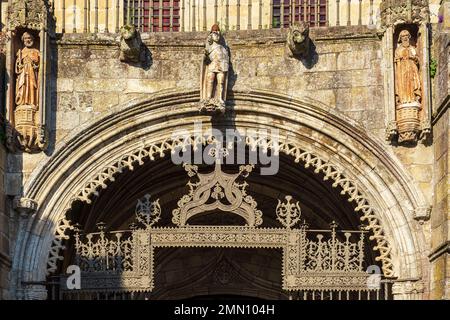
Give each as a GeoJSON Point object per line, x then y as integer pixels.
{"type": "Point", "coordinates": [394, 12]}
{"type": "Point", "coordinates": [123, 260]}
{"type": "Point", "coordinates": [227, 194]}
{"type": "Point", "coordinates": [309, 159]}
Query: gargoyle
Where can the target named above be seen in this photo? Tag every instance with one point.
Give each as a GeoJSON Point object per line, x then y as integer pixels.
{"type": "Point", "coordinates": [131, 45]}
{"type": "Point", "coordinates": [298, 40]}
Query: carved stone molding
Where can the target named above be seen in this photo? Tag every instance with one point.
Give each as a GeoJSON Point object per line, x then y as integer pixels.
{"type": "Point", "coordinates": [34, 292]}
{"type": "Point", "coordinates": [439, 251]}
{"type": "Point", "coordinates": [29, 14]}
{"type": "Point", "coordinates": [24, 205]}
{"type": "Point", "coordinates": [422, 214]}
{"type": "Point", "coordinates": [394, 12]}
{"type": "Point", "coordinates": [408, 289]}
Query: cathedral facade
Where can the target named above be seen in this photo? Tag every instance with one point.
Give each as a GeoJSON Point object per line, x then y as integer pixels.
{"type": "Point", "coordinates": [182, 149]}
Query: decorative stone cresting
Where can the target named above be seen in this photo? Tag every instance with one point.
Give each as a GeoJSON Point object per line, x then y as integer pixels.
{"type": "Point", "coordinates": [64, 226]}
{"type": "Point", "coordinates": [148, 152]}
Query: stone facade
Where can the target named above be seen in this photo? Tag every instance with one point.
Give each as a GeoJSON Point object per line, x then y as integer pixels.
{"type": "Point", "coordinates": [344, 78]}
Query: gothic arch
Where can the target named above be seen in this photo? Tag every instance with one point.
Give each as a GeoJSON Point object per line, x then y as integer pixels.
{"type": "Point", "coordinates": [312, 133]}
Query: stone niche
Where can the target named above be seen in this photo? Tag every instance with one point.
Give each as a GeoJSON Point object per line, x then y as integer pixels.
{"type": "Point", "coordinates": [407, 79]}
{"type": "Point", "coordinates": [30, 24]}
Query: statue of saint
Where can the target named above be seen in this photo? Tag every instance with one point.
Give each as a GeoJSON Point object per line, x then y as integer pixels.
{"type": "Point", "coordinates": [27, 70]}
{"type": "Point", "coordinates": [408, 89]}
{"type": "Point", "coordinates": [214, 72]}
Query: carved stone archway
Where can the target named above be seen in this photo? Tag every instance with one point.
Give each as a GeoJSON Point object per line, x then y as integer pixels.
{"type": "Point", "coordinates": [132, 134]}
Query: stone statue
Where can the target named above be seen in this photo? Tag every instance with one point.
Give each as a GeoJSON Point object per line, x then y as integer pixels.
{"type": "Point", "coordinates": [27, 71]}
{"type": "Point", "coordinates": [30, 25]}
{"type": "Point", "coordinates": [30, 133]}
{"type": "Point", "coordinates": [408, 88]}
{"type": "Point", "coordinates": [298, 40]}
{"type": "Point", "coordinates": [214, 73]}
{"type": "Point", "coordinates": [407, 82]}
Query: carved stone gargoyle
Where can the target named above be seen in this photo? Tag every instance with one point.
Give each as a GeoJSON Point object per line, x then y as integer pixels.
{"type": "Point", "coordinates": [298, 40]}
{"type": "Point", "coordinates": [131, 45]}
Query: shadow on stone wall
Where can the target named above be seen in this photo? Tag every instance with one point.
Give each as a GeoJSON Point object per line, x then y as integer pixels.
{"type": "Point", "coordinates": [311, 59]}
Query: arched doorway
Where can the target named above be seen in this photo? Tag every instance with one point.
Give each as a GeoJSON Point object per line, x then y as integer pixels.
{"type": "Point", "coordinates": [309, 135]}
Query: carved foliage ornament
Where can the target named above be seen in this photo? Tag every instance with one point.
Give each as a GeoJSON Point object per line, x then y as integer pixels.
{"type": "Point", "coordinates": [147, 212]}
{"type": "Point", "coordinates": [288, 213]}
{"type": "Point", "coordinates": [394, 12]}
{"type": "Point", "coordinates": [29, 14]}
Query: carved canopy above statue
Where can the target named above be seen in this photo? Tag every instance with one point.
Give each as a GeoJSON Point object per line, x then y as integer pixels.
{"type": "Point", "coordinates": [394, 12]}
{"type": "Point", "coordinates": [29, 14]}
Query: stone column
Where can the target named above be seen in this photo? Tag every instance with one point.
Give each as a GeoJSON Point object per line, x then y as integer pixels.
{"type": "Point", "coordinates": [30, 291]}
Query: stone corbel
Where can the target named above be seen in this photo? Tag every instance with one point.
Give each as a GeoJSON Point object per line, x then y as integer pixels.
{"type": "Point", "coordinates": [34, 291]}
{"type": "Point", "coordinates": [25, 206]}
{"type": "Point", "coordinates": [422, 213]}
{"type": "Point", "coordinates": [408, 289]}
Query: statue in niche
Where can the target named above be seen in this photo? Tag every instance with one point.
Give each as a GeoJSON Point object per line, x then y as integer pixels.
{"type": "Point", "coordinates": [214, 73]}
{"type": "Point", "coordinates": [408, 88]}
{"type": "Point", "coordinates": [30, 135]}
{"type": "Point", "coordinates": [27, 71]}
